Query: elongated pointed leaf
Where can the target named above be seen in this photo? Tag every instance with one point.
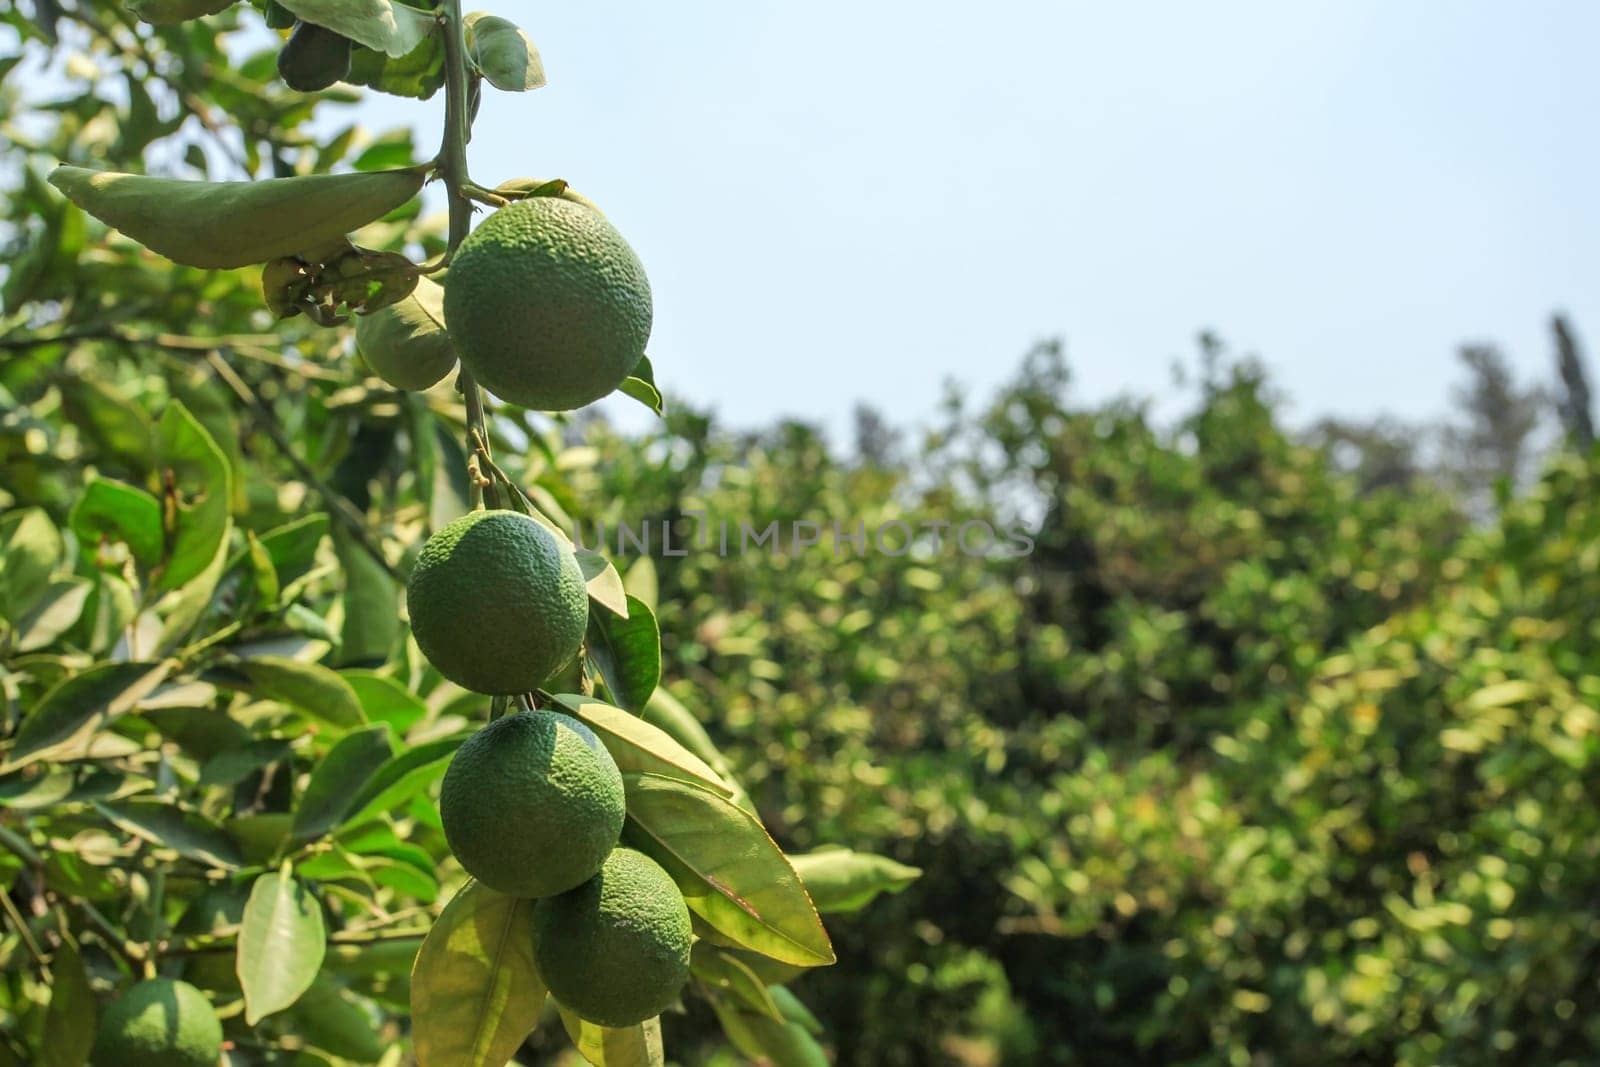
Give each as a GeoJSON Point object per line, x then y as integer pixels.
{"type": "Point", "coordinates": [475, 994]}
{"type": "Point", "coordinates": [385, 700]}
{"type": "Point", "coordinates": [841, 880]}
{"type": "Point", "coordinates": [282, 941]}
{"type": "Point", "coordinates": [637, 746]}
{"type": "Point", "coordinates": [308, 686]}
{"type": "Point", "coordinates": [722, 970]}
{"type": "Point", "coordinates": [339, 780]}
{"type": "Point", "coordinates": [730, 871]}
{"type": "Point", "coordinates": [403, 777]}
{"type": "Point", "coordinates": [604, 1046]}
{"type": "Point", "coordinates": [197, 472]}
{"type": "Point", "coordinates": [68, 716]}
{"type": "Point", "coordinates": [166, 825]}
{"type": "Point", "coordinates": [781, 1044]}
{"type": "Point", "coordinates": [627, 653]}
{"type": "Point", "coordinates": [69, 1020]}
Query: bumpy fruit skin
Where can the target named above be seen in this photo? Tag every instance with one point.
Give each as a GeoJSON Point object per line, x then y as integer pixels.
{"type": "Point", "coordinates": [548, 306]}
{"type": "Point", "coordinates": [615, 950]}
{"type": "Point", "coordinates": [314, 58]}
{"type": "Point", "coordinates": [159, 1023]}
{"type": "Point", "coordinates": [532, 804]}
{"type": "Point", "coordinates": [497, 603]}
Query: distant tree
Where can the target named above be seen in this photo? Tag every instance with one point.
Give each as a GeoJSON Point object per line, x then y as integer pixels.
{"type": "Point", "coordinates": [1381, 453]}
{"type": "Point", "coordinates": [878, 443]}
{"type": "Point", "coordinates": [1495, 437]}
{"type": "Point", "coordinates": [1574, 403]}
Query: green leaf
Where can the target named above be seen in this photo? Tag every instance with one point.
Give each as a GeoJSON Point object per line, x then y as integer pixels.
{"type": "Point", "coordinates": [418, 74]}
{"type": "Point", "coordinates": [260, 836]}
{"type": "Point", "coordinates": [604, 1046]}
{"type": "Point", "coordinates": [636, 746]}
{"type": "Point", "coordinates": [725, 972]}
{"type": "Point", "coordinates": [841, 880]}
{"type": "Point", "coordinates": [123, 513]}
{"type": "Point", "coordinates": [339, 779]}
{"type": "Point", "coordinates": [730, 871]}
{"type": "Point", "coordinates": [292, 547]}
{"type": "Point", "coordinates": [53, 614]}
{"type": "Point", "coordinates": [196, 471]}
{"type": "Point", "coordinates": [69, 1020]}
{"type": "Point", "coordinates": [310, 687]}
{"type": "Point", "coordinates": [451, 493]}
{"type": "Point", "coordinates": [220, 225]}
{"type": "Point", "coordinates": [332, 1020]}
{"type": "Point", "coordinates": [475, 994]}
{"type": "Point", "coordinates": [385, 700]}
{"type": "Point", "coordinates": [781, 1044]}
{"type": "Point", "coordinates": [181, 609]}
{"type": "Point", "coordinates": [119, 430]}
{"type": "Point", "coordinates": [371, 605]}
{"type": "Point", "coordinates": [605, 584]}
{"type": "Point", "coordinates": [382, 25]}
{"type": "Point", "coordinates": [503, 53]}
{"type": "Point", "coordinates": [281, 944]}
{"type": "Point", "coordinates": [403, 777]}
{"type": "Point", "coordinates": [68, 716]}
{"type": "Point", "coordinates": [164, 824]}
{"type": "Point", "coordinates": [642, 582]}
{"type": "Point", "coordinates": [405, 343]}
{"type": "Point", "coordinates": [30, 550]}
{"type": "Point", "coordinates": [627, 653]}
{"type": "Point", "coordinates": [641, 385]}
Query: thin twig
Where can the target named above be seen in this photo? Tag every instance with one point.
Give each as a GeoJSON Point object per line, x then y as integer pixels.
{"type": "Point", "coordinates": [336, 502]}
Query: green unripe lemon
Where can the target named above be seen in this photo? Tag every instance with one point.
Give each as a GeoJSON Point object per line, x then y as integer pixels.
{"type": "Point", "coordinates": [532, 804]}
{"type": "Point", "coordinates": [615, 950]}
{"type": "Point", "coordinates": [548, 306]}
{"type": "Point", "coordinates": [498, 604]}
{"type": "Point", "coordinates": [159, 1023]}
{"type": "Point", "coordinates": [313, 58]}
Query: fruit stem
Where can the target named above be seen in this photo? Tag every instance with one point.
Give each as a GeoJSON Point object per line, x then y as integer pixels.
{"type": "Point", "coordinates": [453, 168]}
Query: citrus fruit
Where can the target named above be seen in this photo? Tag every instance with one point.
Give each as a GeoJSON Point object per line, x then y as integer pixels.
{"type": "Point", "coordinates": [548, 306]}
{"type": "Point", "coordinates": [615, 950]}
{"type": "Point", "coordinates": [405, 343]}
{"type": "Point", "coordinates": [159, 1023]}
{"type": "Point", "coordinates": [498, 603]}
{"type": "Point", "coordinates": [314, 58]}
{"type": "Point", "coordinates": [532, 804]}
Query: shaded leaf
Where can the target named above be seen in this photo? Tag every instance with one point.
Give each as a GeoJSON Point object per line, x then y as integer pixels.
{"type": "Point", "coordinates": [62, 724]}
{"type": "Point", "coordinates": [627, 653]}
{"type": "Point", "coordinates": [385, 26]}
{"type": "Point", "coordinates": [403, 777]}
{"type": "Point", "coordinates": [339, 779]}
{"type": "Point", "coordinates": [310, 687]}
{"type": "Point", "coordinates": [603, 581]}
{"type": "Point", "coordinates": [69, 1020]}
{"type": "Point", "coordinates": [54, 612]}
{"type": "Point", "coordinates": [166, 825]}
{"type": "Point", "coordinates": [386, 700]}
{"type": "Point", "coordinates": [30, 549]}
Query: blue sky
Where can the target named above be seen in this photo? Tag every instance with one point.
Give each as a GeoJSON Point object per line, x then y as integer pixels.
{"type": "Point", "coordinates": [841, 202]}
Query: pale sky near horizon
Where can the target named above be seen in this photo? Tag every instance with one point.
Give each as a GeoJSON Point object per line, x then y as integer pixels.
{"type": "Point", "coordinates": [841, 202]}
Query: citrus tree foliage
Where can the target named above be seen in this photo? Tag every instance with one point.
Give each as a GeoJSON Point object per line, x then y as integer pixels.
{"type": "Point", "coordinates": [1239, 762]}
{"type": "Point", "coordinates": [220, 747]}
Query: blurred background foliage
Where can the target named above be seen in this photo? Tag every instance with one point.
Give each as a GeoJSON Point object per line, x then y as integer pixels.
{"type": "Point", "coordinates": [1278, 748]}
